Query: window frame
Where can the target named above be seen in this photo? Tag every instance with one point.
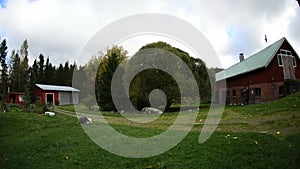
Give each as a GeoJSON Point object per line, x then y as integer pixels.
{"type": "Point", "coordinates": [279, 60]}
{"type": "Point", "coordinates": [233, 93]}
{"type": "Point", "coordinates": [294, 61]}
{"type": "Point", "coordinates": [286, 53]}
{"type": "Point", "coordinates": [257, 92]}
{"type": "Point", "coordinates": [281, 90]}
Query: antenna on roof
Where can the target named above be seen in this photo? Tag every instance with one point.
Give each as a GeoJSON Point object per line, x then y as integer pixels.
{"type": "Point", "coordinates": [266, 39]}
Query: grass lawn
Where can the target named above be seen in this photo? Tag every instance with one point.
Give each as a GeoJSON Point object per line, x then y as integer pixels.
{"type": "Point", "coordinates": [245, 138]}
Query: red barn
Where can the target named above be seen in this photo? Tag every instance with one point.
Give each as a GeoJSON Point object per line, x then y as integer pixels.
{"type": "Point", "coordinates": [15, 98]}
{"type": "Point", "coordinates": [58, 95]}
{"type": "Point", "coordinates": [265, 76]}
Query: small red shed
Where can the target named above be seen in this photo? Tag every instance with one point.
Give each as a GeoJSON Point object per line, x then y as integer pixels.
{"type": "Point", "coordinates": [56, 95]}
{"type": "Point", "coordinates": [15, 98]}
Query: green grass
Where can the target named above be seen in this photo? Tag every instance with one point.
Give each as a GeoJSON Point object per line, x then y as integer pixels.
{"type": "Point", "coordinates": [29, 140]}
{"type": "Point", "coordinates": [286, 104]}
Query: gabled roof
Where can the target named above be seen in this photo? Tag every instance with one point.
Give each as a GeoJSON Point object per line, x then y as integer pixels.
{"type": "Point", "coordinates": [258, 60]}
{"type": "Point", "coordinates": [57, 88]}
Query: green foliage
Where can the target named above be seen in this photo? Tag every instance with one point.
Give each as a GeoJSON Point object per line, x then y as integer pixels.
{"type": "Point", "coordinates": [4, 73]}
{"type": "Point", "coordinates": [50, 73]}
{"type": "Point", "coordinates": [14, 108]}
{"type": "Point", "coordinates": [107, 67]}
{"type": "Point", "coordinates": [27, 98]}
{"type": "Point", "coordinates": [151, 79]}
{"type": "Point", "coordinates": [88, 102]}
{"type": "Point", "coordinates": [39, 107]}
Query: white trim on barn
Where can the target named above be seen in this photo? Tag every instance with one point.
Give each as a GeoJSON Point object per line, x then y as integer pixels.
{"type": "Point", "coordinates": [48, 101]}
{"type": "Point", "coordinates": [57, 88]}
{"type": "Point", "coordinates": [63, 95]}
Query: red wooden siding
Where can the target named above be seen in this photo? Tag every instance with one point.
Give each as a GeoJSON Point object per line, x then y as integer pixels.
{"type": "Point", "coordinates": [39, 93]}
{"type": "Point", "coordinates": [269, 80]}
{"type": "Point", "coordinates": [14, 98]}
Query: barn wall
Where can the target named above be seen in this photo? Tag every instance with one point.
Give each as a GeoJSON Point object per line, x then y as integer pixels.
{"type": "Point", "coordinates": [65, 98]}
{"type": "Point", "coordinates": [75, 98]}
{"type": "Point", "coordinates": [286, 46]}
{"type": "Point", "coordinates": [267, 79]}
{"type": "Point", "coordinates": [269, 91]}
{"type": "Point", "coordinates": [14, 98]}
{"type": "Point", "coordinates": [39, 94]}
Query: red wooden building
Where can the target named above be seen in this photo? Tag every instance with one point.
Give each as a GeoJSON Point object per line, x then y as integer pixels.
{"type": "Point", "coordinates": [15, 98]}
{"type": "Point", "coordinates": [267, 75]}
{"type": "Point", "coordinates": [56, 95]}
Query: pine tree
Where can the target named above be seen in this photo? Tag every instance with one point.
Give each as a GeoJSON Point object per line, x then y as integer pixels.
{"type": "Point", "coordinates": [33, 79]}
{"type": "Point", "coordinates": [59, 74]}
{"type": "Point", "coordinates": [19, 68]}
{"type": "Point", "coordinates": [4, 72]}
{"type": "Point", "coordinates": [49, 73]}
{"type": "Point", "coordinates": [66, 75]}
{"type": "Point", "coordinates": [41, 73]}
{"type": "Point", "coordinates": [108, 65]}
{"type": "Point", "coordinates": [24, 66]}
{"type": "Point", "coordinates": [15, 71]}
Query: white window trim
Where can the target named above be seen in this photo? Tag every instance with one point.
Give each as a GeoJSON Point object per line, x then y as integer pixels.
{"type": "Point", "coordinates": [279, 57]}
{"type": "Point", "coordinates": [46, 100]}
{"type": "Point", "coordinates": [294, 61]}
{"type": "Point", "coordinates": [285, 53]}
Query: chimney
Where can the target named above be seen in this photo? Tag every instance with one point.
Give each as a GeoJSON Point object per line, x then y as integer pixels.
{"type": "Point", "coordinates": [241, 56]}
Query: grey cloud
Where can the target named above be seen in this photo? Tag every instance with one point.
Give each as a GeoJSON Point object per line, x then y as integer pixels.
{"type": "Point", "coordinates": [60, 29]}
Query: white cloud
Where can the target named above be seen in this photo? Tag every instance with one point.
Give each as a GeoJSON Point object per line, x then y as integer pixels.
{"type": "Point", "coordinates": [60, 28]}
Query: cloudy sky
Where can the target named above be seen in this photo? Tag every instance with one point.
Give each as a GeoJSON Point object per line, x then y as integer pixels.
{"type": "Point", "coordinates": [61, 28]}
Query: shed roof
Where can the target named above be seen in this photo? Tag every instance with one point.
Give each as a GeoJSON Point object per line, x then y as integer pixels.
{"type": "Point", "coordinates": [57, 88]}
{"type": "Point", "coordinates": [258, 60]}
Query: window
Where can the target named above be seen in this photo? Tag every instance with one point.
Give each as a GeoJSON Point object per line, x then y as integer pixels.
{"type": "Point", "coordinates": [279, 58]}
{"type": "Point", "coordinates": [233, 93]}
{"type": "Point", "coordinates": [294, 62]}
{"type": "Point", "coordinates": [21, 98]}
{"type": "Point", "coordinates": [281, 90]}
{"type": "Point", "coordinates": [285, 53]}
{"type": "Point", "coordinates": [257, 92]}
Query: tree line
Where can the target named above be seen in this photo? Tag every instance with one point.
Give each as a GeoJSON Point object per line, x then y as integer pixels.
{"type": "Point", "coordinates": [18, 76]}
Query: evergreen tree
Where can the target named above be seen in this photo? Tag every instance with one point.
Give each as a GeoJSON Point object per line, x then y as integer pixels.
{"type": "Point", "coordinates": [60, 75]}
{"type": "Point", "coordinates": [24, 66]}
{"type": "Point", "coordinates": [67, 75]}
{"type": "Point", "coordinates": [4, 72]}
{"type": "Point", "coordinates": [41, 74]}
{"type": "Point", "coordinates": [15, 71]}
{"type": "Point", "coordinates": [49, 73]}
{"type": "Point", "coordinates": [107, 67]}
{"type": "Point", "coordinates": [33, 79]}
{"type": "Point", "coordinates": [19, 68]}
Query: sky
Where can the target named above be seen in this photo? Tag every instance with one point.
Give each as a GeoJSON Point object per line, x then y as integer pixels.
{"type": "Point", "coordinates": [59, 29]}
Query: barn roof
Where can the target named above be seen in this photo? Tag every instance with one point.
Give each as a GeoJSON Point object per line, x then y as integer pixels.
{"type": "Point", "coordinates": [57, 88]}
{"type": "Point", "coordinates": [258, 60]}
